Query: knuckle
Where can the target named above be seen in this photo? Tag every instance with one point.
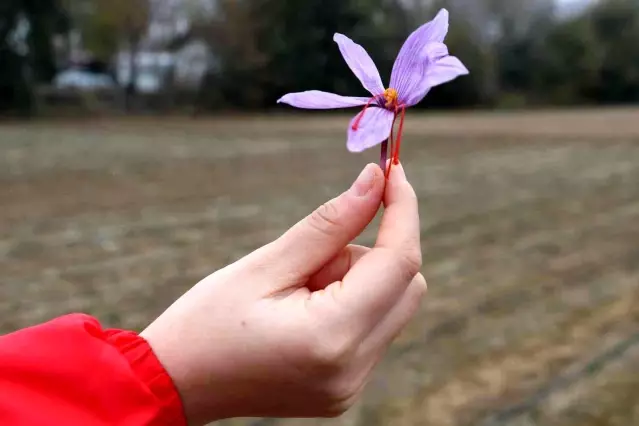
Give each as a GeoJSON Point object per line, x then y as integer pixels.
{"type": "Point", "coordinates": [337, 410]}
{"type": "Point", "coordinates": [340, 398]}
{"type": "Point", "coordinates": [334, 412]}
{"type": "Point", "coordinates": [411, 262]}
{"type": "Point", "coordinates": [330, 353]}
{"type": "Point", "coordinates": [330, 356]}
{"type": "Point", "coordinates": [326, 219]}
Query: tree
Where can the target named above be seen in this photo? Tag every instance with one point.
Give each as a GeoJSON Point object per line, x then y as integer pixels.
{"type": "Point", "coordinates": [109, 26]}
{"type": "Point", "coordinates": [615, 24]}
{"type": "Point", "coordinates": [27, 57]}
{"type": "Point", "coordinates": [569, 62]}
{"type": "Point", "coordinates": [266, 48]}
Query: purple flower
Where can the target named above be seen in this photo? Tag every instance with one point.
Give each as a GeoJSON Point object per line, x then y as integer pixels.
{"type": "Point", "coordinates": [422, 63]}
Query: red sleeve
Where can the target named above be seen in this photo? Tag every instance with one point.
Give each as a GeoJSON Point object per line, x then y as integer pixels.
{"type": "Point", "coordinates": [72, 372]}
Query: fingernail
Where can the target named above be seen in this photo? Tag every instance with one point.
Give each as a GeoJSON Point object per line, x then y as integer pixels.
{"type": "Point", "coordinates": [364, 182]}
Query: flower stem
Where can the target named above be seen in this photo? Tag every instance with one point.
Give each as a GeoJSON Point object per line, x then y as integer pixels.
{"type": "Point", "coordinates": [383, 156]}
{"type": "Point", "coordinates": [392, 148]}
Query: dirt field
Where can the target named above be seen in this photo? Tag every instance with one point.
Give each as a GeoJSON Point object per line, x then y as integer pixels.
{"type": "Point", "coordinates": [530, 231]}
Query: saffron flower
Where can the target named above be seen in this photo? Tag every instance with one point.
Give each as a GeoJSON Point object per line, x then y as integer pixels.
{"type": "Point", "coordinates": [422, 63]}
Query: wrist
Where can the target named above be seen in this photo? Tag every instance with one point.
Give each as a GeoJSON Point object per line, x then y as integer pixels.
{"type": "Point", "coordinates": [193, 384]}
{"type": "Point", "coordinates": [148, 368]}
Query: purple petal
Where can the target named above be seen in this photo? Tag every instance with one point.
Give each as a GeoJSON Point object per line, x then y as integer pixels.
{"type": "Point", "coordinates": [360, 63]}
{"type": "Point", "coordinates": [373, 128]}
{"type": "Point", "coordinates": [314, 99]}
{"type": "Point", "coordinates": [434, 51]}
{"type": "Point", "coordinates": [441, 71]}
{"type": "Point", "coordinates": [444, 70]}
{"type": "Point", "coordinates": [402, 78]}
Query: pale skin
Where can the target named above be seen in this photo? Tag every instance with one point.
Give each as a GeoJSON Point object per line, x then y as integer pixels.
{"type": "Point", "coordinates": [295, 328]}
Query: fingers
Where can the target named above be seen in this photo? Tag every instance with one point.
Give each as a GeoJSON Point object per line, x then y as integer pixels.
{"type": "Point", "coordinates": [337, 268]}
{"type": "Point", "coordinates": [399, 230]}
{"type": "Point", "coordinates": [380, 278]}
{"type": "Point", "coordinates": [397, 318]}
{"type": "Point", "coordinates": [314, 241]}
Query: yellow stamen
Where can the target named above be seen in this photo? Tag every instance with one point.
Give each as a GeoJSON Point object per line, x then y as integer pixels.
{"type": "Point", "coordinates": [390, 95]}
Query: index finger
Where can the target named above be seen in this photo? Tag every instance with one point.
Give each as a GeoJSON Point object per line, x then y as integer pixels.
{"type": "Point", "coordinates": [375, 283]}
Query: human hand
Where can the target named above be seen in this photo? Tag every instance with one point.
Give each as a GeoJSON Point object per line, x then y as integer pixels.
{"type": "Point", "coordinates": [295, 328]}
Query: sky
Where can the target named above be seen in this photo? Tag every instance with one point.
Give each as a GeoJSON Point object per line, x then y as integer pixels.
{"type": "Point", "coordinates": [572, 5]}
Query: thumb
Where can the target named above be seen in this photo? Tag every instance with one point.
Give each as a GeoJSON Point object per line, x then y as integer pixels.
{"type": "Point", "coordinates": [319, 237]}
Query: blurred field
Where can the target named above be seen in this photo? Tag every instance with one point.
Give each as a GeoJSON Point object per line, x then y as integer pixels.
{"type": "Point", "coordinates": [530, 231]}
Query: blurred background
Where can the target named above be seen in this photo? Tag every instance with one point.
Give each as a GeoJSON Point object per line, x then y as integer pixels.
{"type": "Point", "coordinates": [141, 149]}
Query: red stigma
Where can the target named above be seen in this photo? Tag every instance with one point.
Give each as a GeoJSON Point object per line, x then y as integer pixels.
{"type": "Point", "coordinates": [390, 98]}
{"type": "Point", "coordinates": [400, 111]}
{"type": "Point", "coordinates": [359, 118]}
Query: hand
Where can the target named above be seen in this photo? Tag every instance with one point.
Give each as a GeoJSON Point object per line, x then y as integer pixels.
{"type": "Point", "coordinates": [295, 328]}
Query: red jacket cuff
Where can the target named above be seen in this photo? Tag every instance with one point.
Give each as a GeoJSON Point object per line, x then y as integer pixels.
{"type": "Point", "coordinates": [70, 371]}
{"type": "Point", "coordinates": [148, 368]}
